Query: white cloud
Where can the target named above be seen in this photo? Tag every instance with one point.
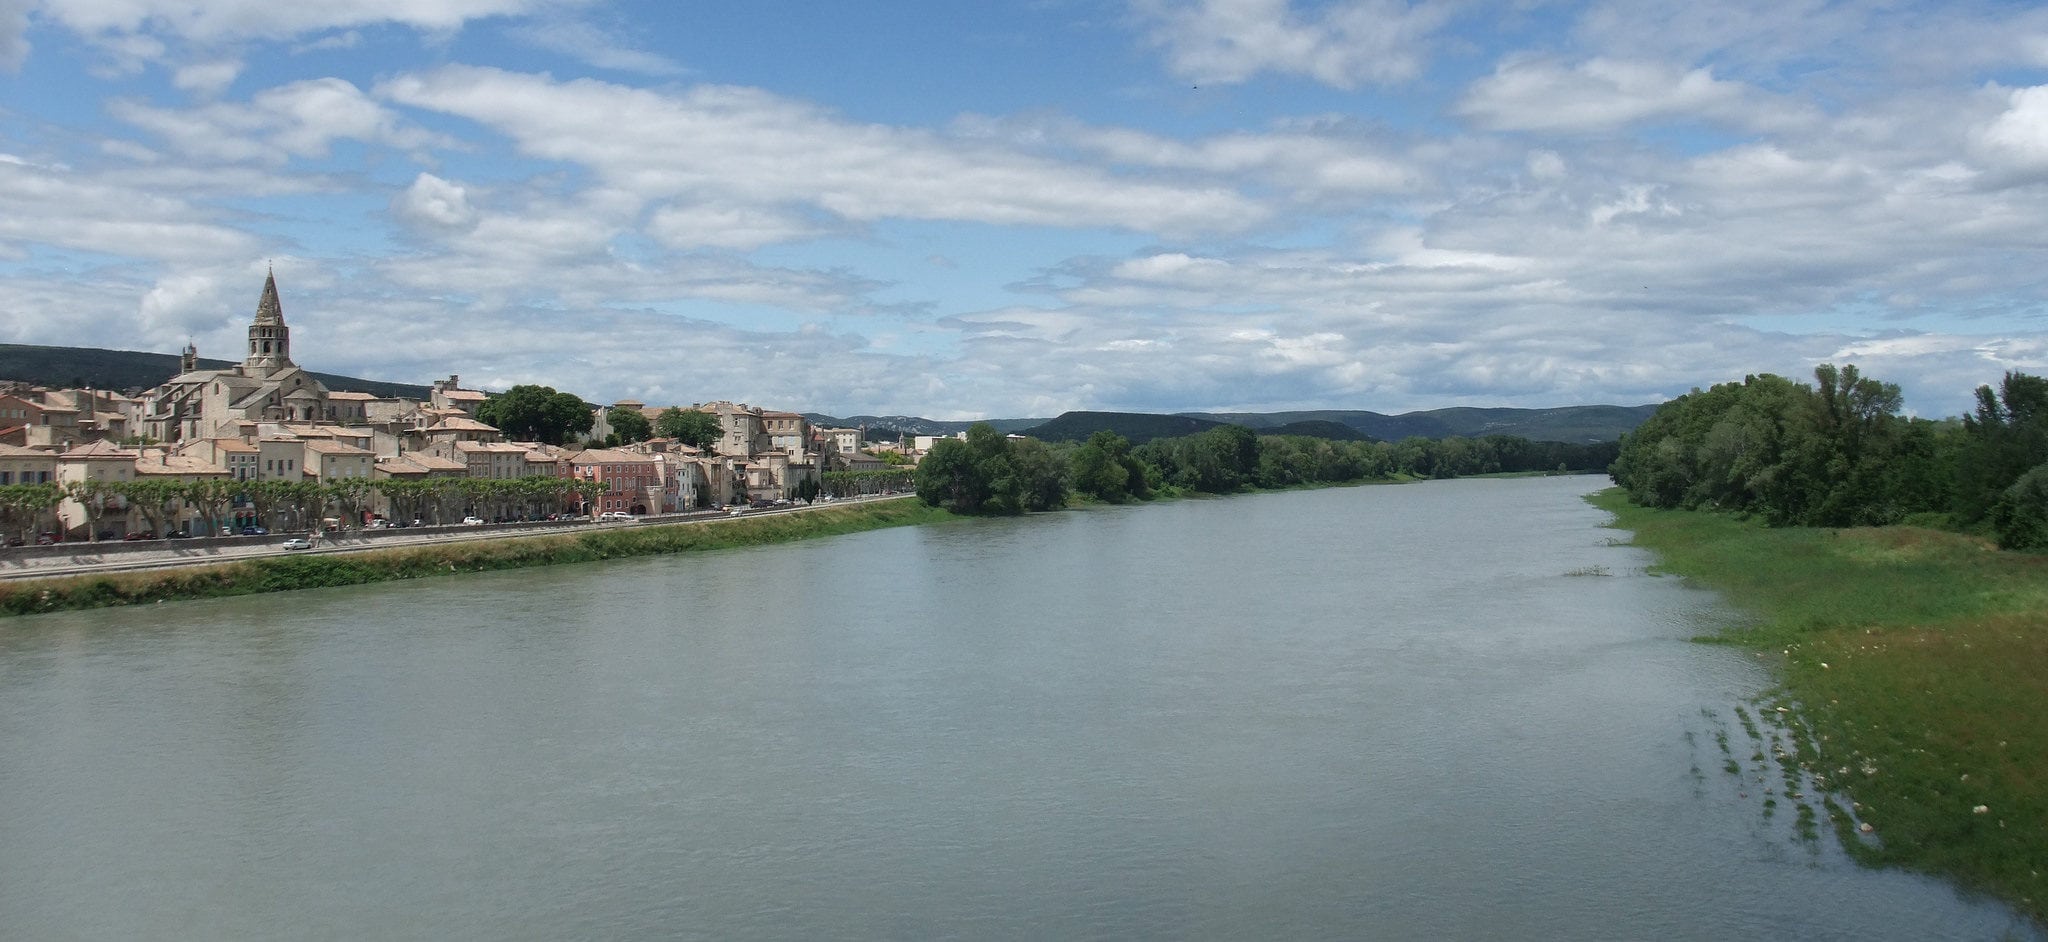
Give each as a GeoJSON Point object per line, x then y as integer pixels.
{"type": "Point", "coordinates": [1604, 94]}
{"type": "Point", "coordinates": [1346, 44]}
{"type": "Point", "coordinates": [14, 43]}
{"type": "Point", "coordinates": [213, 20]}
{"type": "Point", "coordinates": [207, 78]}
{"type": "Point", "coordinates": [49, 205]}
{"type": "Point", "coordinates": [602, 48]}
{"type": "Point", "coordinates": [302, 119]}
{"type": "Point", "coordinates": [704, 225]}
{"type": "Point", "coordinates": [436, 202]}
{"type": "Point", "coordinates": [745, 146]}
{"type": "Point", "coordinates": [2018, 137]}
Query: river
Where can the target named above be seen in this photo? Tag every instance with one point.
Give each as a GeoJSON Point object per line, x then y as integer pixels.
{"type": "Point", "coordinates": [1445, 710]}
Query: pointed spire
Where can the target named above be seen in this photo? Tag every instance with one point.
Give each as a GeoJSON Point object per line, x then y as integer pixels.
{"type": "Point", "coordinates": [268, 310]}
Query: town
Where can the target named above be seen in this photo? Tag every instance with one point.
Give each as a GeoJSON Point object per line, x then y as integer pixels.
{"type": "Point", "coordinates": [264, 446]}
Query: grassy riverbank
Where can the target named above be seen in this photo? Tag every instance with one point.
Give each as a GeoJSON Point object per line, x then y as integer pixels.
{"type": "Point", "coordinates": [284, 573]}
{"type": "Point", "coordinates": [1918, 660]}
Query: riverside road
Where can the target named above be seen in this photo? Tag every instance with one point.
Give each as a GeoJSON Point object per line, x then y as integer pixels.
{"type": "Point", "coordinates": [106, 557]}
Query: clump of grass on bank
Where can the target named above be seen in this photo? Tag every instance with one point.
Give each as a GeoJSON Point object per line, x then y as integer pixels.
{"type": "Point", "coordinates": [317, 570]}
{"type": "Point", "coordinates": [1919, 660]}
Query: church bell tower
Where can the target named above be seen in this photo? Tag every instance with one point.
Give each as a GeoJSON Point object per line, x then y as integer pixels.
{"type": "Point", "coordinates": [269, 339]}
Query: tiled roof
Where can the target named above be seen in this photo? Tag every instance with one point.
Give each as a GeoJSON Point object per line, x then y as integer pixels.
{"type": "Point", "coordinates": [100, 450]}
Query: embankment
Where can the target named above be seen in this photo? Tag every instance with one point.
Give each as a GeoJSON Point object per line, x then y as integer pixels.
{"type": "Point", "coordinates": [1918, 661]}
{"type": "Point", "coordinates": [314, 570]}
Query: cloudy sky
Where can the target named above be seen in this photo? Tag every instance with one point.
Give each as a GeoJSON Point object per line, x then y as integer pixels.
{"type": "Point", "coordinates": [962, 210]}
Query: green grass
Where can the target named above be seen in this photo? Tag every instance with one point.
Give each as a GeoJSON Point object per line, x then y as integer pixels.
{"type": "Point", "coordinates": [1917, 661]}
{"type": "Point", "coordinates": [286, 573]}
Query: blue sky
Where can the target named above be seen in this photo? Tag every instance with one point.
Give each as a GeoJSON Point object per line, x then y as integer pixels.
{"type": "Point", "coordinates": [961, 210]}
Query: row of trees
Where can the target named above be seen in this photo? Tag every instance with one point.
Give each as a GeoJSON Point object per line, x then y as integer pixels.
{"type": "Point", "coordinates": [216, 502]}
{"type": "Point", "coordinates": [989, 473]}
{"type": "Point", "coordinates": [1838, 453]}
{"type": "Point", "coordinates": [541, 414]}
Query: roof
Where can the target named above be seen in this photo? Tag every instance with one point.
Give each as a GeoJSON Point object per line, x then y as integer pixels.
{"type": "Point", "coordinates": [233, 444]}
{"type": "Point", "coordinates": [466, 395]}
{"type": "Point", "coordinates": [100, 451]}
{"type": "Point", "coordinates": [23, 451]}
{"type": "Point", "coordinates": [461, 423]}
{"type": "Point", "coordinates": [327, 447]}
{"type": "Point", "coordinates": [267, 308]}
{"type": "Point", "coordinates": [351, 396]}
{"type": "Point", "coordinates": [178, 465]}
{"type": "Point", "coordinates": [419, 463]}
{"type": "Point", "coordinates": [497, 447]}
{"type": "Point", "coordinates": [610, 456]}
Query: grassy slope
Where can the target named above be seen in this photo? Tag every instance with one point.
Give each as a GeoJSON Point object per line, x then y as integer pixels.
{"type": "Point", "coordinates": [285, 573]}
{"type": "Point", "coordinates": [1919, 659]}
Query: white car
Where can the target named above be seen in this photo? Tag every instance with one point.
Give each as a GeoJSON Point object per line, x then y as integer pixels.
{"type": "Point", "coordinates": [619, 515]}
{"type": "Point", "coordinates": [296, 543]}
{"type": "Point", "coordinates": [472, 521]}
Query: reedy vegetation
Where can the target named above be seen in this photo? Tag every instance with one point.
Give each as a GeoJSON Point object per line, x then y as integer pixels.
{"type": "Point", "coordinates": [285, 573]}
{"type": "Point", "coordinates": [1917, 661]}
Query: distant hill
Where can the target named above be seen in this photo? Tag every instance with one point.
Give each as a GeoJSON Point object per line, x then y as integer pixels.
{"type": "Point", "coordinates": [1573, 424]}
{"type": "Point", "coordinates": [914, 425]}
{"type": "Point", "coordinates": [66, 367]}
{"type": "Point", "coordinates": [1139, 427]}
{"type": "Point", "coordinates": [1569, 424]}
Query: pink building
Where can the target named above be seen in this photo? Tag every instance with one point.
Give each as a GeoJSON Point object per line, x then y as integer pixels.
{"type": "Point", "coordinates": [632, 480]}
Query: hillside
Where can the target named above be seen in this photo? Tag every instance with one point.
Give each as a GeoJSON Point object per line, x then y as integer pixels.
{"type": "Point", "coordinates": [1568, 424]}
{"type": "Point", "coordinates": [1139, 427]}
{"type": "Point", "coordinates": [122, 370]}
{"type": "Point", "coordinates": [1576, 424]}
{"type": "Point", "coordinates": [914, 425]}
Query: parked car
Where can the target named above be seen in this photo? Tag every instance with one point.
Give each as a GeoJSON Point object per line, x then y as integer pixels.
{"type": "Point", "coordinates": [472, 521]}
{"type": "Point", "coordinates": [297, 543]}
{"type": "Point", "coordinates": [255, 531]}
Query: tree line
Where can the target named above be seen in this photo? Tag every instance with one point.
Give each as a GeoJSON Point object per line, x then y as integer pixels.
{"type": "Point", "coordinates": [294, 504]}
{"type": "Point", "coordinates": [990, 473]}
{"type": "Point", "coordinates": [1839, 453]}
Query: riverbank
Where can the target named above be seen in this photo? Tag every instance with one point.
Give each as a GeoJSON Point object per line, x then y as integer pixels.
{"type": "Point", "coordinates": [1918, 661]}
{"type": "Point", "coordinates": [285, 573]}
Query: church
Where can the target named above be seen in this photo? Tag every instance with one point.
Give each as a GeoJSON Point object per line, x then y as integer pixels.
{"type": "Point", "coordinates": [266, 387]}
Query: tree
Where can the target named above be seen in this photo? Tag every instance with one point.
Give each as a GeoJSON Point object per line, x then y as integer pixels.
{"type": "Point", "coordinates": [25, 506]}
{"type": "Point", "coordinates": [628, 426]}
{"type": "Point", "coordinates": [97, 497]}
{"type": "Point", "coordinates": [537, 413]}
{"type": "Point", "coordinates": [699, 430]}
{"type": "Point", "coordinates": [948, 478]}
{"type": "Point", "coordinates": [1103, 468]}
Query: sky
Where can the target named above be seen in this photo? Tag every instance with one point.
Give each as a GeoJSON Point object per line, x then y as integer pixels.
{"type": "Point", "coordinates": [963, 210]}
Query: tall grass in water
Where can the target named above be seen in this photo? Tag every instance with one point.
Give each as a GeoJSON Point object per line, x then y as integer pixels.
{"type": "Point", "coordinates": [315, 570]}
{"type": "Point", "coordinates": [1919, 660]}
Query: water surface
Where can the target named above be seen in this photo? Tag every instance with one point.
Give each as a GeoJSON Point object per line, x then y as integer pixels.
{"type": "Point", "coordinates": [1451, 710]}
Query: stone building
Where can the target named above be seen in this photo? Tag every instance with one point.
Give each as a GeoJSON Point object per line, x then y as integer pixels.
{"type": "Point", "coordinates": [266, 387]}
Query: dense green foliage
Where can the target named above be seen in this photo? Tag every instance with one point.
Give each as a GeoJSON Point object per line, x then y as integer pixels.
{"type": "Point", "coordinates": [1838, 453]}
{"type": "Point", "coordinates": [990, 474]}
{"type": "Point", "coordinates": [699, 430]}
{"type": "Point", "coordinates": [537, 414]}
{"type": "Point", "coordinates": [1580, 424]}
{"type": "Point", "coordinates": [1916, 661]}
{"type": "Point", "coordinates": [628, 426]}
